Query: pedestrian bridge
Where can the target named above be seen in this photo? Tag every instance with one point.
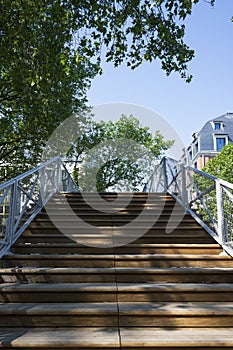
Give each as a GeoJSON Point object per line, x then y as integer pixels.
{"type": "Point", "coordinates": [151, 269]}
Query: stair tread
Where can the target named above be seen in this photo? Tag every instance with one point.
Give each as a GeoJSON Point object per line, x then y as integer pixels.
{"type": "Point", "coordinates": [43, 215]}
{"type": "Point", "coordinates": [173, 287]}
{"type": "Point", "coordinates": [129, 270]}
{"type": "Point", "coordinates": [160, 337]}
{"type": "Point", "coordinates": [87, 337]}
{"type": "Point", "coordinates": [102, 337]}
{"type": "Point", "coordinates": [116, 225]}
{"type": "Point", "coordinates": [150, 235]}
{"type": "Point", "coordinates": [121, 287]}
{"type": "Point", "coordinates": [58, 287]}
{"type": "Point", "coordinates": [120, 256]}
{"type": "Point", "coordinates": [134, 308]}
{"type": "Point", "coordinates": [113, 219]}
{"type": "Point", "coordinates": [138, 245]}
{"type": "Point", "coordinates": [172, 308]}
{"type": "Point", "coordinates": [57, 308]}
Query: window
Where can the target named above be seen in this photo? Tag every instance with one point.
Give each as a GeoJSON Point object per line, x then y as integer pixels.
{"type": "Point", "coordinates": [195, 148]}
{"type": "Point", "coordinates": [190, 155]}
{"type": "Point", "coordinates": [220, 143]}
{"type": "Point", "coordinates": [217, 125]}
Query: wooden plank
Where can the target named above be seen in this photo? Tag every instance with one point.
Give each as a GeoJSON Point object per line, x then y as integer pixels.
{"type": "Point", "coordinates": [163, 338]}
{"type": "Point", "coordinates": [87, 338]}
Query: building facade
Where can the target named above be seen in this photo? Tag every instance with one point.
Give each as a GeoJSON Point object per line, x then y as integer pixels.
{"type": "Point", "coordinates": [210, 140]}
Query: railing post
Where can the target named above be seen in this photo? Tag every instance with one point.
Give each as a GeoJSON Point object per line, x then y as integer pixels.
{"type": "Point", "coordinates": [12, 213]}
{"type": "Point", "coordinates": [165, 174]}
{"type": "Point", "coordinates": [184, 187]}
{"type": "Point", "coordinates": [58, 174]}
{"type": "Point", "coordinates": [220, 213]}
{"type": "Point", "coordinates": [42, 182]}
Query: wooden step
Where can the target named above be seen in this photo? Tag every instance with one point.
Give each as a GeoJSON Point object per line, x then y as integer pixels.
{"type": "Point", "coordinates": [59, 315]}
{"type": "Point", "coordinates": [176, 338]}
{"type": "Point", "coordinates": [58, 292]}
{"type": "Point", "coordinates": [173, 260]}
{"type": "Point", "coordinates": [119, 204]}
{"type": "Point", "coordinates": [173, 275]}
{"type": "Point", "coordinates": [81, 209]}
{"type": "Point", "coordinates": [185, 315]}
{"type": "Point", "coordinates": [132, 248]}
{"type": "Point", "coordinates": [112, 199]}
{"type": "Point", "coordinates": [134, 230]}
{"type": "Point", "coordinates": [188, 238]}
{"type": "Point", "coordinates": [124, 215]}
{"type": "Point", "coordinates": [58, 275]}
{"type": "Point", "coordinates": [183, 292]}
{"type": "Point", "coordinates": [137, 260]}
{"type": "Point", "coordinates": [57, 338]}
{"type": "Point", "coordinates": [147, 248]}
{"type": "Point", "coordinates": [58, 260]}
{"type": "Point", "coordinates": [57, 248]}
{"type": "Point", "coordinates": [112, 274]}
{"type": "Point", "coordinates": [135, 338]}
{"type": "Point", "coordinates": [110, 292]}
{"type": "Point", "coordinates": [149, 314]}
{"type": "Point", "coordinates": [109, 221]}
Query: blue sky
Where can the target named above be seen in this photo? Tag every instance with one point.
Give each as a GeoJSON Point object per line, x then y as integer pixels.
{"type": "Point", "coordinates": [186, 107]}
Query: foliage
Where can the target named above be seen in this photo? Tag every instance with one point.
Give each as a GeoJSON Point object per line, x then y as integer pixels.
{"type": "Point", "coordinates": [117, 155]}
{"type": "Point", "coordinates": [135, 32]}
{"type": "Point", "coordinates": [50, 51]}
{"type": "Point", "coordinates": [222, 165]}
{"type": "Point", "coordinates": [41, 83]}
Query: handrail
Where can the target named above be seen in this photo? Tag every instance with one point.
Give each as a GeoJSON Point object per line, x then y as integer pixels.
{"type": "Point", "coordinates": [27, 173]}
{"type": "Point", "coordinates": [207, 198]}
{"type": "Point", "coordinates": [24, 196]}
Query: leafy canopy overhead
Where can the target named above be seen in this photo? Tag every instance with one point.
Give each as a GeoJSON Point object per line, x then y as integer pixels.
{"type": "Point", "coordinates": [52, 49]}
{"type": "Point", "coordinates": [134, 31]}
{"type": "Point", "coordinates": [41, 82]}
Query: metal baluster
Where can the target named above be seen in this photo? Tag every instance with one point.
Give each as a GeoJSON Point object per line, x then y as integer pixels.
{"type": "Point", "coordinates": [220, 213]}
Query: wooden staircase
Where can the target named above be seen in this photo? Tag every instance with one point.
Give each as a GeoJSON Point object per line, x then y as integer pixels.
{"type": "Point", "coordinates": [160, 291]}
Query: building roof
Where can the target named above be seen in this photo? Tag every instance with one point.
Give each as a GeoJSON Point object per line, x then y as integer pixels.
{"type": "Point", "coordinates": [207, 133]}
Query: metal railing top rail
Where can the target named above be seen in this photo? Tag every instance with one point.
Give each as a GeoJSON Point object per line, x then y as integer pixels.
{"type": "Point", "coordinates": [199, 172]}
{"type": "Point", "coordinates": [24, 196]}
{"type": "Point", "coordinates": [27, 173]}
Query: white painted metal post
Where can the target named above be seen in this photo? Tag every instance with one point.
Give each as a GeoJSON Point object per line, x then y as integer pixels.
{"type": "Point", "coordinates": [165, 174]}
{"type": "Point", "coordinates": [220, 213]}
{"type": "Point", "coordinates": [42, 183]}
{"type": "Point", "coordinates": [58, 174]}
{"type": "Point", "coordinates": [184, 187]}
{"type": "Point", "coordinates": [12, 214]}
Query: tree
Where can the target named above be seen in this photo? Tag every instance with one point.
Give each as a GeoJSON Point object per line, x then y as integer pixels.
{"type": "Point", "coordinates": [50, 51]}
{"type": "Point", "coordinates": [117, 155]}
{"type": "Point", "coordinates": [41, 84]}
{"type": "Point", "coordinates": [222, 165]}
